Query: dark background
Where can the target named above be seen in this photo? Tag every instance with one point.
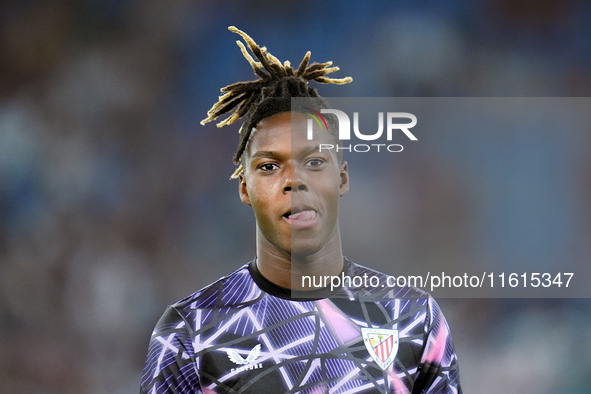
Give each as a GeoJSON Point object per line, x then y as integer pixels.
{"type": "Point", "coordinates": [115, 202]}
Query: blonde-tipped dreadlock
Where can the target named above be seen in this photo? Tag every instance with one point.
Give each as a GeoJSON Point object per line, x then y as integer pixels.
{"type": "Point", "coordinates": [268, 95]}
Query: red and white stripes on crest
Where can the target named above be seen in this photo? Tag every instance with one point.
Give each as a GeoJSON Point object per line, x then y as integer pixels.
{"type": "Point", "coordinates": [384, 349]}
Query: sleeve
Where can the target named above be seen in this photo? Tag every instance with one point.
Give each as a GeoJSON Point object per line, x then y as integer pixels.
{"type": "Point", "coordinates": [170, 365]}
{"type": "Point", "coordinates": [438, 371]}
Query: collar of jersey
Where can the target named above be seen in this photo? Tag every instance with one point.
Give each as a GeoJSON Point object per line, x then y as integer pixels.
{"type": "Point", "coordinates": [293, 295]}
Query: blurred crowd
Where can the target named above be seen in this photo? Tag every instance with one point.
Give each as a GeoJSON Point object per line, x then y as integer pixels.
{"type": "Point", "coordinates": [115, 201]}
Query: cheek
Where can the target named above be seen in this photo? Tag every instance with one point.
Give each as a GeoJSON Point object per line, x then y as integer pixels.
{"type": "Point", "coordinates": [329, 185]}
{"type": "Point", "coordinates": [330, 194]}
{"type": "Point", "coordinates": [261, 197]}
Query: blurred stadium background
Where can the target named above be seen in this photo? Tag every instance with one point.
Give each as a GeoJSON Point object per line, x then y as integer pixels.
{"type": "Point", "coordinates": [115, 202]}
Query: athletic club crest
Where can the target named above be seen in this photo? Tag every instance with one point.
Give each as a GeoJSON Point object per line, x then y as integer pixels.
{"type": "Point", "coordinates": [382, 344]}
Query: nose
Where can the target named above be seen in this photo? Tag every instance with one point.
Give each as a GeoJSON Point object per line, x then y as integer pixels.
{"type": "Point", "coordinates": [294, 182]}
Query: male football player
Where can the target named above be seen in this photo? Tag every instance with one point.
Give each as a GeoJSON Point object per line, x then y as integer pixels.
{"type": "Point", "coordinates": [264, 328]}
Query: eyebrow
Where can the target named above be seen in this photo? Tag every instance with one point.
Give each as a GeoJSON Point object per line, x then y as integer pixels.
{"type": "Point", "coordinates": [264, 153]}
{"type": "Point", "coordinates": [310, 149]}
{"type": "Point", "coordinates": [277, 155]}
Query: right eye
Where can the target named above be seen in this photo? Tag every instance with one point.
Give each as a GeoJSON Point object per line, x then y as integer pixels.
{"type": "Point", "coordinates": [266, 167]}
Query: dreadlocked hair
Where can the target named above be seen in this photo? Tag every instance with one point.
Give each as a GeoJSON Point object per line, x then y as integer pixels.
{"type": "Point", "coordinates": [268, 95]}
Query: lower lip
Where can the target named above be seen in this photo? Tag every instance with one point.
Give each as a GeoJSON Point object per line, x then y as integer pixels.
{"type": "Point", "coordinates": [298, 223]}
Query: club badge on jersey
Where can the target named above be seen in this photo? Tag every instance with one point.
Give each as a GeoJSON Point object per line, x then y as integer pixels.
{"type": "Point", "coordinates": [382, 345]}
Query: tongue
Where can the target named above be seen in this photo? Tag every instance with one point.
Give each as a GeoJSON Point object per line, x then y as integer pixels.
{"type": "Point", "coordinates": [303, 216]}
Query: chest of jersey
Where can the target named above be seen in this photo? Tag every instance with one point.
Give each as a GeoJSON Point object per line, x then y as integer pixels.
{"type": "Point", "coordinates": [338, 345]}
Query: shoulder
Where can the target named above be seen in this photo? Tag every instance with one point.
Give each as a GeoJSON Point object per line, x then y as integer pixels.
{"type": "Point", "coordinates": [232, 291]}
{"type": "Point", "coordinates": [365, 281]}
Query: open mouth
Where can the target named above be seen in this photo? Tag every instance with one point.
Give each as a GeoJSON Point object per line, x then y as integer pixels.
{"type": "Point", "coordinates": [301, 217]}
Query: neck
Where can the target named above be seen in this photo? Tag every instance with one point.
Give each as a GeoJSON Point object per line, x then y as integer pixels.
{"type": "Point", "coordinates": [286, 269]}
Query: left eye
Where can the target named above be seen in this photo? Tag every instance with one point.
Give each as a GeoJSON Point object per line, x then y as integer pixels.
{"type": "Point", "coordinates": [314, 162]}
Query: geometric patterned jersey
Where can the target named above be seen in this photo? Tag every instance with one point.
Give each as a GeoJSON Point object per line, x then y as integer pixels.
{"type": "Point", "coordinates": [243, 334]}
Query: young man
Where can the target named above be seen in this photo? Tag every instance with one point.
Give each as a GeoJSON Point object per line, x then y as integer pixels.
{"type": "Point", "coordinates": [267, 328]}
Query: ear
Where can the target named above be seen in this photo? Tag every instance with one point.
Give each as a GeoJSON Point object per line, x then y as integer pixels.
{"type": "Point", "coordinates": [242, 190]}
{"type": "Point", "coordinates": [344, 173]}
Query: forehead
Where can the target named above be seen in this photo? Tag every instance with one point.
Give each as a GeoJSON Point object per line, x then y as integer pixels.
{"type": "Point", "coordinates": [286, 131]}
